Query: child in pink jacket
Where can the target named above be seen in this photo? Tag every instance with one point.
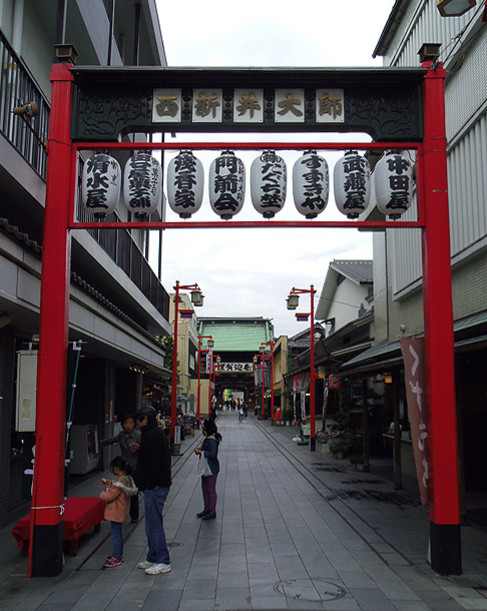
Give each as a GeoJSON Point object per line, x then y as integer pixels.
{"type": "Point", "coordinates": [117, 497]}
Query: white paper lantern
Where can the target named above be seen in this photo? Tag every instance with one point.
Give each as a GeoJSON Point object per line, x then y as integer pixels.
{"type": "Point", "coordinates": [268, 183]}
{"type": "Point", "coordinates": [351, 179]}
{"type": "Point", "coordinates": [310, 184]}
{"type": "Point", "coordinates": [185, 180]}
{"type": "Point", "coordinates": [142, 185]}
{"type": "Point", "coordinates": [227, 185]}
{"type": "Point", "coordinates": [393, 181]}
{"type": "Point", "coordinates": [100, 186]}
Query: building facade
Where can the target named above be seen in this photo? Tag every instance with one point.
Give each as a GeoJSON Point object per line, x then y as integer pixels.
{"type": "Point", "coordinates": [117, 303]}
{"type": "Point", "coordinates": [236, 341]}
{"type": "Point", "coordinates": [397, 254]}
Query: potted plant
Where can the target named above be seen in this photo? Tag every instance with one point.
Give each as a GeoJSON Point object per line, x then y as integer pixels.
{"type": "Point", "coordinates": [338, 447]}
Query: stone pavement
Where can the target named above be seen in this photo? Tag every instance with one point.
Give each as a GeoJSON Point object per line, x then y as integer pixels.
{"type": "Point", "coordinates": [295, 530]}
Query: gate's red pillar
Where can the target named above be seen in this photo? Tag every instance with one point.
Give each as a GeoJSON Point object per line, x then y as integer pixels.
{"type": "Point", "coordinates": [46, 537]}
{"type": "Point", "coordinates": [439, 344]}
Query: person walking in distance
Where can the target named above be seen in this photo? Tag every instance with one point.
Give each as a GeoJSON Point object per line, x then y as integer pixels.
{"type": "Point", "coordinates": [129, 441]}
{"type": "Point", "coordinates": [153, 478]}
{"type": "Point", "coordinates": [209, 450]}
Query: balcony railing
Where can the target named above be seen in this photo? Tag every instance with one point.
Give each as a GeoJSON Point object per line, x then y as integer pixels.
{"type": "Point", "coordinates": [17, 88]}
{"type": "Point", "coordinates": [122, 249]}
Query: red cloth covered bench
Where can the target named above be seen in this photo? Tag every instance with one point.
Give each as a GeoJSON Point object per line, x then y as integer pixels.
{"type": "Point", "coordinates": [80, 515]}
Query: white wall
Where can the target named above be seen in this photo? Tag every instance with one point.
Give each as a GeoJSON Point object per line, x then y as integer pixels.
{"type": "Point", "coordinates": [346, 302]}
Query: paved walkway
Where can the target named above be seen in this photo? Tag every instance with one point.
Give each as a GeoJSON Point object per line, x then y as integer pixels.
{"type": "Point", "coordinates": [295, 530]}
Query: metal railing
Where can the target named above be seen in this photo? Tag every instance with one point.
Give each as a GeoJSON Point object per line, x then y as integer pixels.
{"type": "Point", "coordinates": [17, 88]}
{"type": "Point", "coordinates": [122, 249]}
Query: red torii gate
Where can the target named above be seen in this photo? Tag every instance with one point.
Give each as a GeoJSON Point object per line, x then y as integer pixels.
{"type": "Point", "coordinates": [45, 552]}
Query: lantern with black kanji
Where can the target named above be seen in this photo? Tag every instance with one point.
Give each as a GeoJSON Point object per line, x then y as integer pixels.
{"type": "Point", "coordinates": [393, 180]}
{"type": "Point", "coordinates": [142, 187]}
{"type": "Point", "coordinates": [351, 179]}
{"type": "Point", "coordinates": [100, 186]}
{"type": "Point", "coordinates": [185, 181]}
{"type": "Point", "coordinates": [310, 184]}
{"type": "Point", "coordinates": [268, 183]}
{"type": "Point", "coordinates": [227, 185]}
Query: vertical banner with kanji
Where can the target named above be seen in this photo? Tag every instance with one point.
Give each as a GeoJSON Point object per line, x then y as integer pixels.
{"type": "Point", "coordinates": [413, 354]}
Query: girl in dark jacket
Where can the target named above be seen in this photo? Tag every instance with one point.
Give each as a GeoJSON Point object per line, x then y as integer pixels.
{"type": "Point", "coordinates": [209, 449]}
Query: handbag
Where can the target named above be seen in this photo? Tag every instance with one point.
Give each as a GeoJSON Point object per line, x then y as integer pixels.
{"type": "Point", "coordinates": [204, 467]}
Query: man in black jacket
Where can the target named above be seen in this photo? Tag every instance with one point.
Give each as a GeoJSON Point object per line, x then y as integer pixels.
{"type": "Point", "coordinates": [153, 477]}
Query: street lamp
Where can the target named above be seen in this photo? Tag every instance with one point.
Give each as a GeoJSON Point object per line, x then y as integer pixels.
{"type": "Point", "coordinates": [262, 350]}
{"type": "Point", "coordinates": [196, 300]}
{"type": "Point", "coordinates": [210, 343]}
{"type": "Point", "coordinates": [292, 304]}
{"type": "Point", "coordinates": [454, 8]}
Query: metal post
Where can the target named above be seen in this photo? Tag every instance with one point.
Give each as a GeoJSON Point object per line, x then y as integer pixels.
{"type": "Point", "coordinates": [174, 385]}
{"type": "Point", "coordinates": [262, 364]}
{"type": "Point", "coordinates": [198, 392]}
{"type": "Point", "coordinates": [111, 17]}
{"type": "Point", "coordinates": [312, 415]}
{"type": "Point", "coordinates": [397, 431]}
{"type": "Point", "coordinates": [46, 523]}
{"type": "Point", "coordinates": [439, 348]}
{"type": "Point", "coordinates": [365, 425]}
{"type": "Point", "coordinates": [272, 382]}
{"type": "Point", "coordinates": [209, 388]}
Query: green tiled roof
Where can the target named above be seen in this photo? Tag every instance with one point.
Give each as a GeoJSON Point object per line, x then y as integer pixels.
{"type": "Point", "coordinates": [234, 334]}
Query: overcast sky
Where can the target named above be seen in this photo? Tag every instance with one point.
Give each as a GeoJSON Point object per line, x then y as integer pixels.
{"type": "Point", "coordinates": [249, 272]}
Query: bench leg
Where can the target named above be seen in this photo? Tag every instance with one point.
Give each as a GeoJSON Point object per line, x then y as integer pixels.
{"type": "Point", "coordinates": [97, 528]}
{"type": "Point", "coordinates": [25, 549]}
{"type": "Point", "coordinates": [73, 547]}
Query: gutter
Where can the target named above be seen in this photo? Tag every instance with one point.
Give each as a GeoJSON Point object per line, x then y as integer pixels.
{"type": "Point", "coordinates": [390, 28]}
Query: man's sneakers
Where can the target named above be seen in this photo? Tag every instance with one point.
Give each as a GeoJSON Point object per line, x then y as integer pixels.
{"type": "Point", "coordinates": [145, 565]}
{"type": "Point", "coordinates": [202, 514]}
{"type": "Point", "coordinates": [112, 562]}
{"type": "Point", "coordinates": [152, 568]}
{"type": "Point", "coordinates": [209, 516]}
{"type": "Point", "coordinates": [157, 569]}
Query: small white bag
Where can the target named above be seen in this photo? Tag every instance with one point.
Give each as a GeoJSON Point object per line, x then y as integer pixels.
{"type": "Point", "coordinates": [204, 467]}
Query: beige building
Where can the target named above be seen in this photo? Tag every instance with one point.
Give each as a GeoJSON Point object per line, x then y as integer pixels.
{"type": "Point", "coordinates": [187, 361]}
{"type": "Point", "coordinates": [280, 370]}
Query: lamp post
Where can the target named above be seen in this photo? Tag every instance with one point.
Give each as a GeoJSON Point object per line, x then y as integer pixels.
{"type": "Point", "coordinates": [210, 343]}
{"type": "Point", "coordinates": [197, 301]}
{"type": "Point", "coordinates": [292, 304]}
{"type": "Point", "coordinates": [262, 348]}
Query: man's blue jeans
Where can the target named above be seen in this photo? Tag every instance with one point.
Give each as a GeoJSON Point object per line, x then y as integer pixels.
{"type": "Point", "coordinates": [156, 539]}
{"type": "Point", "coordinates": [117, 539]}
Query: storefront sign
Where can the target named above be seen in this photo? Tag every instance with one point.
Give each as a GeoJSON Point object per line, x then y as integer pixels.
{"type": "Point", "coordinates": [110, 102]}
{"type": "Point", "coordinates": [236, 367]}
{"type": "Point", "coordinates": [413, 354]}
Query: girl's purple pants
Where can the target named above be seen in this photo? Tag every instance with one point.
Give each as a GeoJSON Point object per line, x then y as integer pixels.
{"type": "Point", "coordinates": [208, 486]}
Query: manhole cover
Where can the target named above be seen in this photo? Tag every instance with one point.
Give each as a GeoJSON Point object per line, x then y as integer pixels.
{"type": "Point", "coordinates": [308, 590]}
{"type": "Point", "coordinates": [176, 544]}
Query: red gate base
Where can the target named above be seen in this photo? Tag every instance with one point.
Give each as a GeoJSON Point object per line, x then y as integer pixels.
{"type": "Point", "coordinates": [446, 557]}
{"type": "Point", "coordinates": [47, 552]}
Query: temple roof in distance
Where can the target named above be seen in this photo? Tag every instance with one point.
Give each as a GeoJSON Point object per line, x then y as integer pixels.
{"type": "Point", "coordinates": [237, 334]}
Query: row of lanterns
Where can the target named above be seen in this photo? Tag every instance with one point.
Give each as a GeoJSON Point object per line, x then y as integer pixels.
{"type": "Point", "coordinates": [142, 184]}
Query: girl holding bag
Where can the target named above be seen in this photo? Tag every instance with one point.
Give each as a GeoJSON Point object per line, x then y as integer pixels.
{"type": "Point", "coordinates": [209, 468]}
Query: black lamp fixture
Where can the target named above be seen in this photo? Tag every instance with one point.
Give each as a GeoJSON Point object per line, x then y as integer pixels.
{"type": "Point", "coordinates": [454, 8]}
